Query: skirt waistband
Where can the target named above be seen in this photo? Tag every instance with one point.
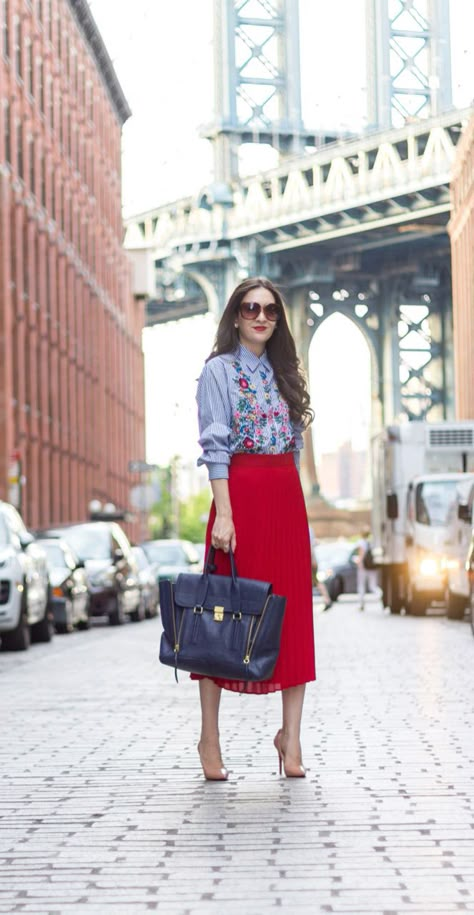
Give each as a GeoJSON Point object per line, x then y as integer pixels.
{"type": "Point", "coordinates": [241, 459]}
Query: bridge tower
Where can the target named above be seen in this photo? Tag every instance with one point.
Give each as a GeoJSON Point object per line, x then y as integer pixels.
{"type": "Point", "coordinates": [408, 60]}
{"type": "Point", "coordinates": [257, 81]}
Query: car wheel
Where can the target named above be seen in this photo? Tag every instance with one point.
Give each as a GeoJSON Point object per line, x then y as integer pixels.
{"type": "Point", "coordinates": [117, 616]}
{"type": "Point", "coordinates": [64, 628]}
{"type": "Point", "coordinates": [391, 591]}
{"type": "Point", "coordinates": [138, 615]}
{"type": "Point", "coordinates": [85, 624]}
{"type": "Point", "coordinates": [19, 638]}
{"type": "Point", "coordinates": [455, 606]}
{"type": "Point", "coordinates": [44, 629]}
{"type": "Point", "coordinates": [152, 611]}
{"type": "Point", "coordinates": [416, 605]}
{"type": "Point", "coordinates": [336, 588]}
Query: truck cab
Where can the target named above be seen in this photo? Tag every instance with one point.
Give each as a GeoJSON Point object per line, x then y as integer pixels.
{"type": "Point", "coordinates": [417, 471]}
{"type": "Point", "coordinates": [432, 502]}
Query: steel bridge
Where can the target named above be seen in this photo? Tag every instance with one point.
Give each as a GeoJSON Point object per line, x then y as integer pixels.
{"type": "Point", "coordinates": [356, 225]}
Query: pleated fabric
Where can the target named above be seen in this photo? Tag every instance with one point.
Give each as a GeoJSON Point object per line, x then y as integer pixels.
{"type": "Point", "coordinates": [273, 545]}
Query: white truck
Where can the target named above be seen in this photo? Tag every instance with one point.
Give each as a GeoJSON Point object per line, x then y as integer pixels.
{"type": "Point", "coordinates": [419, 471]}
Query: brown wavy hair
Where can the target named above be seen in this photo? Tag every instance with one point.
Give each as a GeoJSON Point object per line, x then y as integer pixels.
{"type": "Point", "coordinates": [280, 349]}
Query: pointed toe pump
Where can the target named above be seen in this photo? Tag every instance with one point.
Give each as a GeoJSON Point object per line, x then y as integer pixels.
{"type": "Point", "coordinates": [213, 773]}
{"type": "Point", "coordinates": [291, 771]}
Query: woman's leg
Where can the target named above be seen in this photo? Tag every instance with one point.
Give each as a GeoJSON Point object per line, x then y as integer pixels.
{"type": "Point", "coordinates": [292, 707]}
{"type": "Point", "coordinates": [209, 747]}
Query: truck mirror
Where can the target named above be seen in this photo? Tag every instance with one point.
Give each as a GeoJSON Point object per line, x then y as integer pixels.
{"type": "Point", "coordinates": [392, 506]}
{"type": "Point", "coordinates": [464, 513]}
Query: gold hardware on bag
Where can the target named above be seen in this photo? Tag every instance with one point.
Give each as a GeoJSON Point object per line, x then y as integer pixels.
{"type": "Point", "coordinates": [218, 614]}
{"type": "Point", "coordinates": [247, 659]}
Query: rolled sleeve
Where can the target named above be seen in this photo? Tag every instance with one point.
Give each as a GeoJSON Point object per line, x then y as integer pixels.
{"type": "Point", "coordinates": [215, 417]}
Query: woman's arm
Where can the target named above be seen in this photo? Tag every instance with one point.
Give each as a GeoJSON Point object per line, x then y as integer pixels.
{"type": "Point", "coordinates": [223, 531]}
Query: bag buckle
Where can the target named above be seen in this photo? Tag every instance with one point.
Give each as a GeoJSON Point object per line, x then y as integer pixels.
{"type": "Point", "coordinates": [198, 609]}
{"type": "Point", "coordinates": [218, 614]}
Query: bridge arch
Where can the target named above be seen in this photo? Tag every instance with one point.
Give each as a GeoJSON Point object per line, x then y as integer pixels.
{"type": "Point", "coordinates": [344, 421]}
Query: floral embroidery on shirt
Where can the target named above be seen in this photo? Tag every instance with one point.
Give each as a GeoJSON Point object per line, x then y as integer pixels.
{"type": "Point", "coordinates": [256, 428]}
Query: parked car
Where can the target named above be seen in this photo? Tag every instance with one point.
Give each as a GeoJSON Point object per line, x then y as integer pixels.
{"type": "Point", "coordinates": [25, 614]}
{"type": "Point", "coordinates": [337, 567]}
{"type": "Point", "coordinates": [201, 551]}
{"type": "Point", "coordinates": [69, 596]}
{"type": "Point", "coordinates": [172, 557]}
{"type": "Point", "coordinates": [147, 577]}
{"type": "Point", "coordinates": [111, 570]}
{"type": "Point", "coordinates": [470, 574]}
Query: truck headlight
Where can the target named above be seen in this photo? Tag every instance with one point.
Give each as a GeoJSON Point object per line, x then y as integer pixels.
{"type": "Point", "coordinates": [429, 567]}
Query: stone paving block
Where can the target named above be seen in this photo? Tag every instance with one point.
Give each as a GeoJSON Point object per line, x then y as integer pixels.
{"type": "Point", "coordinates": [104, 809]}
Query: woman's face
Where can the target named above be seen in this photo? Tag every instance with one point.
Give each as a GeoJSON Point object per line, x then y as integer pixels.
{"type": "Point", "coordinates": [255, 330]}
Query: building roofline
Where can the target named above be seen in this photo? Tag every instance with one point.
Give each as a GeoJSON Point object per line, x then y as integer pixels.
{"type": "Point", "coordinates": [93, 37]}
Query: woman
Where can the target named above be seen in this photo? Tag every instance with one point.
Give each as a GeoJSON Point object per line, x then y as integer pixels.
{"type": "Point", "coordinates": [252, 405]}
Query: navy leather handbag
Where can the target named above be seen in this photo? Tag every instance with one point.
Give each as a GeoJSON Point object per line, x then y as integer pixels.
{"type": "Point", "coordinates": [220, 626]}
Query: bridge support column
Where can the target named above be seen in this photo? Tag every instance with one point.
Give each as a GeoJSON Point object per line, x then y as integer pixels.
{"type": "Point", "coordinates": [298, 316]}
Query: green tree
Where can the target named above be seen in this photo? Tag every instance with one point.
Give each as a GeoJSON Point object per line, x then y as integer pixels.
{"type": "Point", "coordinates": [160, 521]}
{"type": "Point", "coordinates": [193, 516]}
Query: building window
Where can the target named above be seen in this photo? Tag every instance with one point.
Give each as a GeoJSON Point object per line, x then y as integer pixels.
{"type": "Point", "coordinates": [31, 164]}
{"type": "Point", "coordinates": [29, 67]}
{"type": "Point", "coordinates": [5, 28]}
{"type": "Point", "coordinates": [40, 84]}
{"type": "Point", "coordinates": [19, 150]}
{"type": "Point", "coordinates": [8, 142]}
{"type": "Point", "coordinates": [24, 257]}
{"type": "Point", "coordinates": [50, 102]}
{"type": "Point", "coordinates": [18, 48]}
{"type": "Point", "coordinates": [43, 179]}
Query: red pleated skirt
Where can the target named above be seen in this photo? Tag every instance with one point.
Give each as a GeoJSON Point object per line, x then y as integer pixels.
{"type": "Point", "coordinates": [273, 545]}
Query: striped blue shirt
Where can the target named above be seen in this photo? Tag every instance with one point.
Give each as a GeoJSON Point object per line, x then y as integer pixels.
{"type": "Point", "coordinates": [240, 409]}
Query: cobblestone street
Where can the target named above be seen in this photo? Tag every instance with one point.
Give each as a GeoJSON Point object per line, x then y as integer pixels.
{"type": "Point", "coordinates": [104, 808]}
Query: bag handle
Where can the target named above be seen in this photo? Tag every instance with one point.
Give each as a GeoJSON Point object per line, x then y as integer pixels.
{"type": "Point", "coordinates": [209, 568]}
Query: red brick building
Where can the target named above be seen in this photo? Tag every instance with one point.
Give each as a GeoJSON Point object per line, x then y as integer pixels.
{"type": "Point", "coordinates": [461, 229]}
{"type": "Point", "coordinates": [71, 365]}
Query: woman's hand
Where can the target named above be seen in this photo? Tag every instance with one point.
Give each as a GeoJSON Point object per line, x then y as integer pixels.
{"type": "Point", "coordinates": [223, 533]}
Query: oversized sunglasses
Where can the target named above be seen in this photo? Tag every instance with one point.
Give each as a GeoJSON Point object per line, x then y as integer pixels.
{"type": "Point", "coordinates": [250, 310]}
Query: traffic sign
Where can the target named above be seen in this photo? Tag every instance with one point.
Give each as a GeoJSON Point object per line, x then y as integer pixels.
{"type": "Point", "coordinates": [141, 467]}
{"type": "Point", "coordinates": [144, 497]}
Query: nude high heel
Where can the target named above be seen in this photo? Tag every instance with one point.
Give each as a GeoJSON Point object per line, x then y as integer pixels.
{"type": "Point", "coordinates": [212, 773]}
{"type": "Point", "coordinates": [290, 771]}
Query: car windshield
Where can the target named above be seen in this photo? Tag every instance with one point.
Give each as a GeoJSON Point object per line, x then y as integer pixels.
{"type": "Point", "coordinates": [140, 558]}
{"type": "Point", "coordinates": [54, 554]}
{"type": "Point", "coordinates": [4, 540]}
{"type": "Point", "coordinates": [331, 554]}
{"type": "Point", "coordinates": [170, 554]}
{"type": "Point", "coordinates": [434, 500]}
{"type": "Point", "coordinates": [89, 542]}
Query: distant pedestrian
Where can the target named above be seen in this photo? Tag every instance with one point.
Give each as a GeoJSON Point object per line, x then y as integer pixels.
{"type": "Point", "coordinates": [319, 585]}
{"type": "Point", "coordinates": [366, 571]}
{"type": "Point", "coordinates": [253, 405]}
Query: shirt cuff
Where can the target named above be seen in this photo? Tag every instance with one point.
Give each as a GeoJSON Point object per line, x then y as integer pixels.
{"type": "Point", "coordinates": [218, 471]}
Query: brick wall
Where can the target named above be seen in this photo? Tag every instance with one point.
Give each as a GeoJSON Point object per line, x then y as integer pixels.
{"type": "Point", "coordinates": [461, 229]}
{"type": "Point", "coordinates": [71, 365]}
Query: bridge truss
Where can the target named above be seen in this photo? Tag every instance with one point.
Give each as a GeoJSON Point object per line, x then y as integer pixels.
{"type": "Point", "coordinates": [356, 226]}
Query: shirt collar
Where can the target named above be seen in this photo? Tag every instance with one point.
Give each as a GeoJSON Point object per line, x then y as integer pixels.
{"type": "Point", "coordinates": [252, 361]}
